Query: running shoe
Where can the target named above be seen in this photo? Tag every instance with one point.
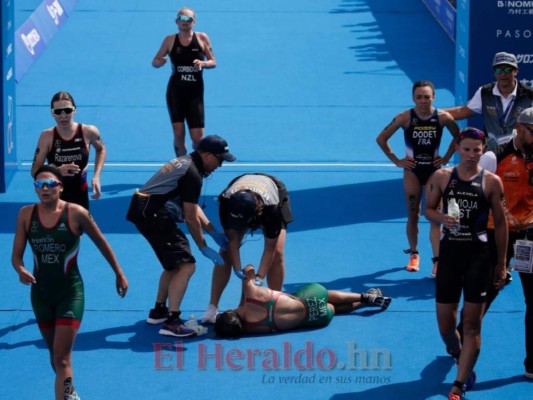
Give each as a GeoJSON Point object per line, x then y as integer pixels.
{"type": "Point", "coordinates": [73, 397]}
{"type": "Point", "coordinates": [157, 316]}
{"type": "Point", "coordinates": [176, 328]}
{"type": "Point", "coordinates": [414, 262]}
{"type": "Point", "coordinates": [375, 291]}
{"type": "Point", "coordinates": [529, 373]}
{"type": "Point", "coordinates": [508, 278]}
{"type": "Point", "coordinates": [454, 396]}
{"type": "Point", "coordinates": [434, 269]}
{"type": "Point", "coordinates": [379, 301]}
{"type": "Point", "coordinates": [210, 314]}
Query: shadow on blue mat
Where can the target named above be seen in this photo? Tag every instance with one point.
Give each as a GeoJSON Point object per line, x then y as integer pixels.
{"type": "Point", "coordinates": [431, 383]}
{"type": "Point", "coordinates": [138, 338]}
{"type": "Point", "coordinates": [312, 208]}
{"type": "Point", "coordinates": [409, 289]}
{"type": "Point", "coordinates": [412, 55]}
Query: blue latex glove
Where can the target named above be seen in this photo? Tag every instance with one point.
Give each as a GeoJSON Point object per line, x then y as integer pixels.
{"type": "Point", "coordinates": [240, 274]}
{"type": "Point", "coordinates": [220, 238]}
{"type": "Point", "coordinates": [212, 255]}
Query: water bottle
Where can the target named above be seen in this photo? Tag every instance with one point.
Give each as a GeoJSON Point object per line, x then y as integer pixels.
{"type": "Point", "coordinates": [191, 322]}
{"type": "Point", "coordinates": [454, 212]}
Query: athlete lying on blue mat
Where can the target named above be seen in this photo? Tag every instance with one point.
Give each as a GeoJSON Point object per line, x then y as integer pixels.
{"type": "Point", "coordinates": [264, 310]}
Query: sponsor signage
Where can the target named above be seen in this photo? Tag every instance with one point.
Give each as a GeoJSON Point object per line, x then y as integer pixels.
{"type": "Point", "coordinates": [37, 31]}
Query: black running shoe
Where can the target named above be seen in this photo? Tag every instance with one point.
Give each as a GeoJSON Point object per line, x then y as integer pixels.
{"type": "Point", "coordinates": [157, 316]}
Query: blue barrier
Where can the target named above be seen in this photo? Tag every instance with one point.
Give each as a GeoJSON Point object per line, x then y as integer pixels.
{"type": "Point", "coordinates": [445, 14]}
{"type": "Point", "coordinates": [7, 87]}
{"type": "Point", "coordinates": [20, 49]}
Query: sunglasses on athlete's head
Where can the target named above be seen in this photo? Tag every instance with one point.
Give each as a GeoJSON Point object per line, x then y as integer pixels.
{"type": "Point", "coordinates": [50, 183]}
{"type": "Point", "coordinates": [472, 133]}
{"type": "Point", "coordinates": [185, 18]}
{"type": "Point", "coordinates": [500, 70]}
{"type": "Point", "coordinates": [66, 110]}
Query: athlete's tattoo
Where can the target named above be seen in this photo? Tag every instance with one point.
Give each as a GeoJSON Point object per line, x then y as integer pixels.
{"type": "Point", "coordinates": [389, 125]}
{"type": "Point", "coordinates": [35, 155]}
{"type": "Point", "coordinates": [412, 204]}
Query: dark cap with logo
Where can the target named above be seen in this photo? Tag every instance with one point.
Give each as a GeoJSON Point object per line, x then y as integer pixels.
{"type": "Point", "coordinates": [242, 206]}
{"type": "Point", "coordinates": [504, 58]}
{"type": "Point", "coordinates": [214, 144]}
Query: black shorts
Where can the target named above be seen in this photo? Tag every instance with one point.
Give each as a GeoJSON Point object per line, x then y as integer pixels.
{"type": "Point", "coordinates": [168, 242]}
{"type": "Point", "coordinates": [186, 104]}
{"type": "Point", "coordinates": [274, 218]}
{"type": "Point", "coordinates": [423, 173]}
{"type": "Point", "coordinates": [285, 208]}
{"type": "Point", "coordinates": [76, 196]}
{"type": "Point", "coordinates": [463, 268]}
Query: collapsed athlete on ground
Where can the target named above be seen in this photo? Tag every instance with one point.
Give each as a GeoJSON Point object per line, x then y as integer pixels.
{"type": "Point", "coordinates": [267, 311]}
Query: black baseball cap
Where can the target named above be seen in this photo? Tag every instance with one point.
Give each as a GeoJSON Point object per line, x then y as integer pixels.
{"type": "Point", "coordinates": [242, 207]}
{"type": "Point", "coordinates": [214, 144]}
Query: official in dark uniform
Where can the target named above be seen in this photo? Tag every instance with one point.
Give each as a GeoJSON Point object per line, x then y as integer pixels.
{"type": "Point", "coordinates": [178, 182]}
{"type": "Point", "coordinates": [250, 202]}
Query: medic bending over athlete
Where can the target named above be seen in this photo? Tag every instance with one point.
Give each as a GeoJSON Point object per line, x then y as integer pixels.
{"type": "Point", "coordinates": [264, 310]}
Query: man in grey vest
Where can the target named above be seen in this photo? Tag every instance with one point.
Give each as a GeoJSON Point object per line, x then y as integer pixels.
{"type": "Point", "coordinates": [169, 196]}
{"type": "Point", "coordinates": [500, 102]}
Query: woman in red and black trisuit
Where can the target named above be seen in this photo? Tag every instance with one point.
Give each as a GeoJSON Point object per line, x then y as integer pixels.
{"type": "Point", "coordinates": [66, 146]}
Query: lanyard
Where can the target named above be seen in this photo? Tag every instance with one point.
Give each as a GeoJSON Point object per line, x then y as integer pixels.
{"type": "Point", "coordinates": [503, 116]}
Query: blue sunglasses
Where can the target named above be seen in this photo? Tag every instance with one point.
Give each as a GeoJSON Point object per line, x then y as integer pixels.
{"type": "Point", "coordinates": [185, 18]}
{"type": "Point", "coordinates": [51, 183]}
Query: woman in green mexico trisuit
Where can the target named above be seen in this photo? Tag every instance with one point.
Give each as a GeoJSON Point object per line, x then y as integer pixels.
{"type": "Point", "coordinates": [263, 310]}
{"type": "Point", "coordinates": [53, 229]}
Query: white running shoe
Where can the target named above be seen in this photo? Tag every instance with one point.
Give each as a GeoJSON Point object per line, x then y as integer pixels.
{"type": "Point", "coordinates": [210, 315]}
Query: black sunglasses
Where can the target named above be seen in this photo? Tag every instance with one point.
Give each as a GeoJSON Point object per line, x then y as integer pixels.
{"type": "Point", "coordinates": [59, 111]}
{"type": "Point", "coordinates": [507, 70]}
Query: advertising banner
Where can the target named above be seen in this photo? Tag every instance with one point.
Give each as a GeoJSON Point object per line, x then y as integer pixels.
{"type": "Point", "coordinates": [37, 31]}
